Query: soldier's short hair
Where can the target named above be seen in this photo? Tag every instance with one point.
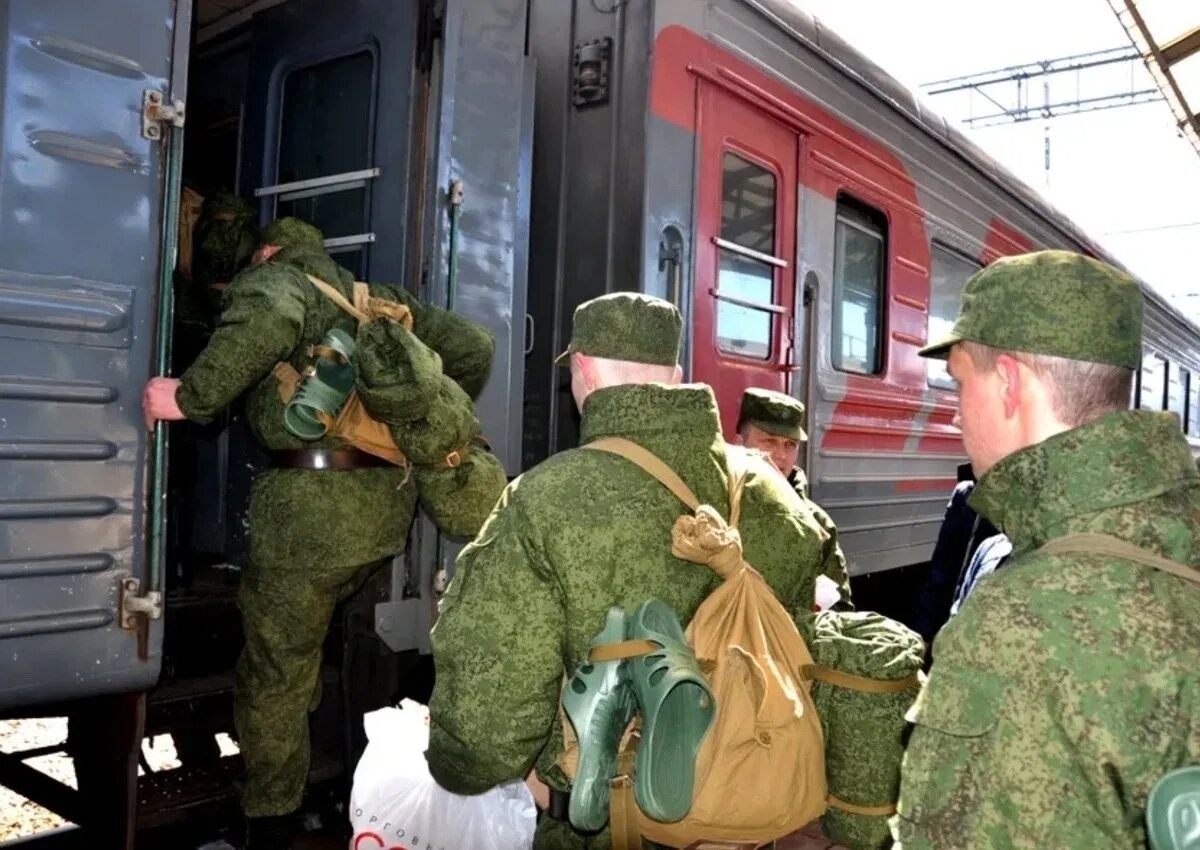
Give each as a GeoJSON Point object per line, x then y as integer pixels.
{"type": "Point", "coordinates": [1081, 391]}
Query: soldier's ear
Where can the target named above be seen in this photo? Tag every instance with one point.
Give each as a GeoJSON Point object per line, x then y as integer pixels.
{"type": "Point", "coordinates": [1011, 384]}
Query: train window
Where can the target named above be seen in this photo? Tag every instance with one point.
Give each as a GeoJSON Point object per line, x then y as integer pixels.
{"type": "Point", "coordinates": [948, 275]}
{"type": "Point", "coordinates": [746, 275]}
{"type": "Point", "coordinates": [858, 285]}
{"type": "Point", "coordinates": [1153, 387]}
{"type": "Point", "coordinates": [1177, 387]}
{"type": "Point", "coordinates": [1193, 424]}
{"type": "Point", "coordinates": [325, 129]}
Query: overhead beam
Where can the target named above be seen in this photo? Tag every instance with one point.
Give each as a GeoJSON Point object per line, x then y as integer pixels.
{"type": "Point", "coordinates": [1174, 52]}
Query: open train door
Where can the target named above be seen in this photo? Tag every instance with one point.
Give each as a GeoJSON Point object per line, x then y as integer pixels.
{"type": "Point", "coordinates": [89, 166]}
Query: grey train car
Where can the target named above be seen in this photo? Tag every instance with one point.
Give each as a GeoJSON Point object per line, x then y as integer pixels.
{"type": "Point", "coordinates": [509, 159]}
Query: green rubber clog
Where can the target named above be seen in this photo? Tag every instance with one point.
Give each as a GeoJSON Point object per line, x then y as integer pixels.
{"type": "Point", "coordinates": [599, 705]}
{"type": "Point", "coordinates": [323, 390]}
{"type": "Point", "coordinates": [1173, 811]}
{"type": "Point", "coordinates": [677, 710]}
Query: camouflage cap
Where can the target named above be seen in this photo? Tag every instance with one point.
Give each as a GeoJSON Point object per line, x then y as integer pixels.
{"type": "Point", "coordinates": [1056, 303]}
{"type": "Point", "coordinates": [225, 238]}
{"type": "Point", "coordinates": [292, 232]}
{"type": "Point", "coordinates": [626, 326]}
{"type": "Point", "coordinates": [772, 412]}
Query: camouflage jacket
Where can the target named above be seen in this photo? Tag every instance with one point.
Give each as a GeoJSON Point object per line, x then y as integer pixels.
{"type": "Point", "coordinates": [272, 313]}
{"type": "Point", "coordinates": [1067, 685]}
{"type": "Point", "coordinates": [579, 533]}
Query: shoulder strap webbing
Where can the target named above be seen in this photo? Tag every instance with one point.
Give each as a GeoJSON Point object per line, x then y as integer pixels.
{"type": "Point", "coordinates": [1105, 544]}
{"type": "Point", "coordinates": [336, 297]}
{"type": "Point", "coordinates": [649, 463]}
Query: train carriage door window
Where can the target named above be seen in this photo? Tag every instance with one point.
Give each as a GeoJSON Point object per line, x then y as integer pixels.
{"type": "Point", "coordinates": [743, 323]}
{"type": "Point", "coordinates": [1153, 384]}
{"type": "Point", "coordinates": [1177, 392]}
{"type": "Point", "coordinates": [746, 274]}
{"type": "Point", "coordinates": [326, 129]}
{"type": "Point", "coordinates": [948, 275]}
{"type": "Point", "coordinates": [858, 287]}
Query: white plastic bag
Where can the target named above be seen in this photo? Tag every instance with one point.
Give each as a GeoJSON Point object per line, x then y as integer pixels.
{"type": "Point", "coordinates": [396, 805]}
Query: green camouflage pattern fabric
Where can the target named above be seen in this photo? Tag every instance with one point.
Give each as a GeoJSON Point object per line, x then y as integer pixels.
{"type": "Point", "coordinates": [579, 533]}
{"type": "Point", "coordinates": [311, 532]}
{"type": "Point", "coordinates": [401, 382]}
{"type": "Point", "coordinates": [224, 239]}
{"type": "Point", "coordinates": [1057, 303]}
{"type": "Point", "coordinates": [864, 732]}
{"type": "Point", "coordinates": [1067, 685]}
{"type": "Point", "coordinates": [775, 413]}
{"type": "Point", "coordinates": [460, 500]}
{"type": "Point", "coordinates": [626, 326]}
{"type": "Point", "coordinates": [466, 348]}
{"type": "Point", "coordinates": [290, 232]}
{"type": "Point", "coordinates": [226, 236]}
{"type": "Point", "coordinates": [285, 617]}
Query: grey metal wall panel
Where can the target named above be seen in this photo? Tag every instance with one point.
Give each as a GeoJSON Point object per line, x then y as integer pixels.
{"type": "Point", "coordinates": [590, 177]}
{"type": "Point", "coordinates": [80, 231]}
{"type": "Point", "coordinates": [482, 129]}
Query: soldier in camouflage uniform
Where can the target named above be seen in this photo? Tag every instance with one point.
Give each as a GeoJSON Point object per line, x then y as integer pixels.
{"type": "Point", "coordinates": [320, 517]}
{"type": "Point", "coordinates": [773, 423]}
{"type": "Point", "coordinates": [582, 532]}
{"type": "Point", "coordinates": [1069, 683]}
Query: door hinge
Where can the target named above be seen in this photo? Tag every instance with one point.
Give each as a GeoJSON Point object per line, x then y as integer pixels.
{"type": "Point", "coordinates": [157, 114]}
{"type": "Point", "coordinates": [135, 605]}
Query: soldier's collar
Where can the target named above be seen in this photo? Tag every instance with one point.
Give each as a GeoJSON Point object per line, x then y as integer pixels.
{"type": "Point", "coordinates": [1119, 459]}
{"type": "Point", "coordinates": [647, 408]}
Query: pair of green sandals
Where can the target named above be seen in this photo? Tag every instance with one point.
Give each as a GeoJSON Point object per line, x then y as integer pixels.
{"type": "Point", "coordinates": [668, 688]}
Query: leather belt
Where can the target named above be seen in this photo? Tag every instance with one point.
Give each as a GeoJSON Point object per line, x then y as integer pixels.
{"type": "Point", "coordinates": [334, 459]}
{"type": "Point", "coordinates": [560, 806]}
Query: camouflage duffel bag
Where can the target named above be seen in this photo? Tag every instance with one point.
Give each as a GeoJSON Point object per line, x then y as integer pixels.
{"type": "Point", "coordinates": [433, 422]}
{"type": "Point", "coordinates": [865, 676]}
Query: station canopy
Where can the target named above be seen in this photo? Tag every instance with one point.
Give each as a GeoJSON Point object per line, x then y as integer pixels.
{"type": "Point", "coordinates": [1167, 33]}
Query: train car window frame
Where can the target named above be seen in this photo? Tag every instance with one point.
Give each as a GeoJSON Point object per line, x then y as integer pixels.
{"type": "Point", "coordinates": [1159, 372]}
{"type": "Point", "coordinates": [1192, 426]}
{"type": "Point", "coordinates": [864, 220]}
{"type": "Point", "coordinates": [739, 306]}
{"type": "Point", "coordinates": [936, 374]}
{"type": "Point", "coordinates": [1178, 377]}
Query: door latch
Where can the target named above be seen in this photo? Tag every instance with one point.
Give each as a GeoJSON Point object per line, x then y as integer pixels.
{"type": "Point", "coordinates": [157, 113]}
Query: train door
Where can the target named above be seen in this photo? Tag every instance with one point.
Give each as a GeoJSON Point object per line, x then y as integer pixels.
{"type": "Point", "coordinates": [87, 164]}
{"type": "Point", "coordinates": [328, 125]}
{"type": "Point", "coordinates": [745, 300]}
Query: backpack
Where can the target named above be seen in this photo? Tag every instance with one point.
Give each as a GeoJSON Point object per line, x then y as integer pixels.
{"type": "Point", "coordinates": [760, 772]}
{"type": "Point", "coordinates": [352, 424]}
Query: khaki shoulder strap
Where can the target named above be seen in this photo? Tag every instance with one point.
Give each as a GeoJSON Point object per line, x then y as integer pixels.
{"type": "Point", "coordinates": [649, 463]}
{"type": "Point", "coordinates": [336, 297]}
{"type": "Point", "coordinates": [1105, 544]}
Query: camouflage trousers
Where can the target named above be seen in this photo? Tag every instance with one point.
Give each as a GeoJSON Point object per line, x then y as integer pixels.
{"type": "Point", "coordinates": [285, 615]}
